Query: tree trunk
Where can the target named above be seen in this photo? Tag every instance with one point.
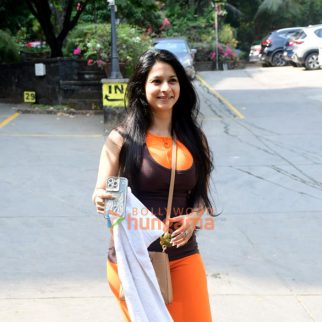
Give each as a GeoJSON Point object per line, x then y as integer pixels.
{"type": "Point", "coordinates": [41, 9]}
{"type": "Point", "coordinates": [56, 50]}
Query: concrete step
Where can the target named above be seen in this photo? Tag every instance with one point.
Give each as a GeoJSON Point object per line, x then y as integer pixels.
{"type": "Point", "coordinates": [79, 83]}
{"type": "Point", "coordinates": [91, 75]}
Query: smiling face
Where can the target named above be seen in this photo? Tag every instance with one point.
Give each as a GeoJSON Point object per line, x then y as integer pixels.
{"type": "Point", "coordinates": [162, 87]}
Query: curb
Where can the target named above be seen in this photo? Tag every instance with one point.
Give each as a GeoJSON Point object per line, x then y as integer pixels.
{"type": "Point", "coordinates": [53, 111]}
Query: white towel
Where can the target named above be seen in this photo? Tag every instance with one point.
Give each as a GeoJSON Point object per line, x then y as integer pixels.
{"type": "Point", "coordinates": [132, 238]}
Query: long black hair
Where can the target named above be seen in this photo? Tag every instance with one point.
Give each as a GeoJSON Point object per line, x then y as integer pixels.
{"type": "Point", "coordinates": [184, 125]}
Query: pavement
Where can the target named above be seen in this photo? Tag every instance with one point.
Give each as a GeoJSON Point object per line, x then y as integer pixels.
{"type": "Point", "coordinates": [263, 259]}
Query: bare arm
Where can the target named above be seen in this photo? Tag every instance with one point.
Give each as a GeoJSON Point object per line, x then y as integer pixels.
{"type": "Point", "coordinates": [108, 166]}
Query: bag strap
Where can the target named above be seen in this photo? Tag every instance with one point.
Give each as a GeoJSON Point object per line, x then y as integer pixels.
{"type": "Point", "coordinates": [172, 179]}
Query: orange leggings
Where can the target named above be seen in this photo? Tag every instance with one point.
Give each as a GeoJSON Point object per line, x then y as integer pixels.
{"type": "Point", "coordinates": [190, 293]}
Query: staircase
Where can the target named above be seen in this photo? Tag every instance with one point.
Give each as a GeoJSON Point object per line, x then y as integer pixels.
{"type": "Point", "coordinates": [85, 90]}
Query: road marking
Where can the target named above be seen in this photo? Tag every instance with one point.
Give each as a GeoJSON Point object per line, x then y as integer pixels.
{"type": "Point", "coordinates": [222, 99]}
{"type": "Point", "coordinates": [9, 119]}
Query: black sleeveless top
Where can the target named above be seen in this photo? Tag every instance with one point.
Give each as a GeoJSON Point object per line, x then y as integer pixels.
{"type": "Point", "coordinates": [153, 189]}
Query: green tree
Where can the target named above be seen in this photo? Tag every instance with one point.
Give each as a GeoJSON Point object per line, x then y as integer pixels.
{"type": "Point", "coordinates": [8, 48]}
{"type": "Point", "coordinates": [262, 16]}
{"type": "Point", "coordinates": [14, 15]}
{"type": "Point", "coordinates": [244, 23]}
{"type": "Point", "coordinates": [198, 6]}
{"type": "Point", "coordinates": [275, 5]}
{"type": "Point", "coordinates": [310, 12]}
{"type": "Point", "coordinates": [57, 19]}
{"type": "Point", "coordinates": [143, 13]}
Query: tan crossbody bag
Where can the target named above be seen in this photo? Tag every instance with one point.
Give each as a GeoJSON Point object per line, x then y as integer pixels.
{"type": "Point", "coordinates": [160, 260]}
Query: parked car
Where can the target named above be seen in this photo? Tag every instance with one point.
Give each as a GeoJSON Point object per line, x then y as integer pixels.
{"type": "Point", "coordinates": [254, 53]}
{"type": "Point", "coordinates": [180, 48]}
{"type": "Point", "coordinates": [304, 48]}
{"type": "Point", "coordinates": [272, 46]}
{"type": "Point", "coordinates": [289, 49]}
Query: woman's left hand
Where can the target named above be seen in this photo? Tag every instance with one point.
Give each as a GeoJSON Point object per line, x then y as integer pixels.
{"type": "Point", "coordinates": [182, 234]}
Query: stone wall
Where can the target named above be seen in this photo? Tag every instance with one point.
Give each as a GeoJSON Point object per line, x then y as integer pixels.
{"type": "Point", "coordinates": [67, 82]}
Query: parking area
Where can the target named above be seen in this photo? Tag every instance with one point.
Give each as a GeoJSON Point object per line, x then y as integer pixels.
{"type": "Point", "coordinates": [268, 183]}
{"type": "Point", "coordinates": [263, 259]}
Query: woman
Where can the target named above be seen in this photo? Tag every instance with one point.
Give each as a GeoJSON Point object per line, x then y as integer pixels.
{"type": "Point", "coordinates": [162, 103]}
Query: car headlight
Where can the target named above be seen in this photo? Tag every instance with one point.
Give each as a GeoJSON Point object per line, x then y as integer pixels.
{"type": "Point", "coordinates": [187, 62]}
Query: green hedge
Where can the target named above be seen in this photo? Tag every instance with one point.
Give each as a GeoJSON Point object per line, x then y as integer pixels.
{"type": "Point", "coordinates": [9, 52]}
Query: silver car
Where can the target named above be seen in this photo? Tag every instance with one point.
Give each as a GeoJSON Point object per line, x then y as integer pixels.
{"type": "Point", "coordinates": [254, 53]}
{"type": "Point", "coordinates": [303, 50]}
{"type": "Point", "coordinates": [180, 48]}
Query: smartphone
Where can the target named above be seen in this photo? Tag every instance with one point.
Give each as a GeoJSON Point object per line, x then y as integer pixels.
{"type": "Point", "coordinates": [116, 207]}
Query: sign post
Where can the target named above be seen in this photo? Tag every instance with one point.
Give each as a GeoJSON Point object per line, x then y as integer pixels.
{"type": "Point", "coordinates": [113, 92]}
{"type": "Point", "coordinates": [114, 98]}
{"type": "Point", "coordinates": [114, 87]}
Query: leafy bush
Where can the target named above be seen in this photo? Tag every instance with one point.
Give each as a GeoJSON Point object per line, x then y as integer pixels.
{"type": "Point", "coordinates": [204, 51]}
{"type": "Point", "coordinates": [226, 54]}
{"type": "Point", "coordinates": [195, 28]}
{"type": "Point", "coordinates": [227, 35]}
{"type": "Point", "coordinates": [93, 43]}
{"type": "Point", "coordinates": [9, 52]}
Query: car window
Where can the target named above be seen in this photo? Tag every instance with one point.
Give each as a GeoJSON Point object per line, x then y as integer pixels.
{"type": "Point", "coordinates": [301, 35]}
{"type": "Point", "coordinates": [175, 47]}
{"type": "Point", "coordinates": [318, 32]}
{"type": "Point", "coordinates": [291, 33]}
{"type": "Point", "coordinates": [296, 35]}
{"type": "Point", "coordinates": [281, 32]}
{"type": "Point", "coordinates": [283, 35]}
{"type": "Point", "coordinates": [286, 33]}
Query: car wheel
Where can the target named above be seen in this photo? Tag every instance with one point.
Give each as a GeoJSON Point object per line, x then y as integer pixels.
{"type": "Point", "coordinates": [278, 60]}
{"type": "Point", "coordinates": [312, 61]}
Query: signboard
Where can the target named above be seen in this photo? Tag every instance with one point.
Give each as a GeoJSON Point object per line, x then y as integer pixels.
{"type": "Point", "coordinates": [29, 97]}
{"type": "Point", "coordinates": [114, 93]}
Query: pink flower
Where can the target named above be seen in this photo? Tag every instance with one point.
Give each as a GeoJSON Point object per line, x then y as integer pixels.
{"type": "Point", "coordinates": [100, 63]}
{"type": "Point", "coordinates": [165, 23]}
{"type": "Point", "coordinates": [90, 62]}
{"type": "Point", "coordinates": [149, 30]}
{"type": "Point", "coordinates": [79, 6]}
{"type": "Point", "coordinates": [228, 50]}
{"type": "Point", "coordinates": [77, 51]}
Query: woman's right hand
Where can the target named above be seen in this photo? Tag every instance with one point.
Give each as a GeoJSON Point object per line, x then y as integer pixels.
{"type": "Point", "coordinates": [99, 197]}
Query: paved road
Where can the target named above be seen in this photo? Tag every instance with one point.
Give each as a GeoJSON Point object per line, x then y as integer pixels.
{"type": "Point", "coordinates": [263, 259]}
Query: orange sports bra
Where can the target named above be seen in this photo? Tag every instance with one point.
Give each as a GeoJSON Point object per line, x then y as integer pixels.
{"type": "Point", "coordinates": [160, 149]}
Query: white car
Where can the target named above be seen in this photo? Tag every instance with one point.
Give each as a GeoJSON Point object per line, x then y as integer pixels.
{"type": "Point", "coordinates": [305, 47]}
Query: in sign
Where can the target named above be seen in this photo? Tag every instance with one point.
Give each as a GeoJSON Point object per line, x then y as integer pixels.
{"type": "Point", "coordinates": [113, 94]}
